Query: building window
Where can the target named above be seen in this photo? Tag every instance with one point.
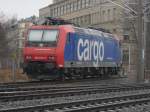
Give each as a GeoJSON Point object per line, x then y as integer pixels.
{"type": "Point", "coordinates": [114, 13]}
{"type": "Point", "coordinates": [82, 20]}
{"type": "Point", "coordinates": [85, 20]}
{"type": "Point", "coordinates": [55, 11]}
{"type": "Point", "coordinates": [109, 17]}
{"type": "Point", "coordinates": [83, 3]}
{"type": "Point", "coordinates": [65, 9]}
{"type": "Point", "coordinates": [58, 13]}
{"type": "Point", "coordinates": [52, 12]}
{"type": "Point", "coordinates": [87, 2]}
{"type": "Point", "coordinates": [126, 37]}
{"type": "Point", "coordinates": [68, 8]}
{"type": "Point", "coordinates": [71, 7]}
{"type": "Point", "coordinates": [104, 14]}
{"type": "Point", "coordinates": [114, 30]}
{"type": "Point", "coordinates": [61, 10]}
{"type": "Point", "coordinates": [77, 20]}
{"type": "Point", "coordinates": [89, 19]}
{"type": "Point", "coordinates": [79, 4]}
{"type": "Point", "coordinates": [75, 6]}
{"type": "Point", "coordinates": [126, 57]}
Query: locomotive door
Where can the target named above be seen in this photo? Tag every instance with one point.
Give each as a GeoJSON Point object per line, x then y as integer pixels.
{"type": "Point", "coordinates": [69, 49]}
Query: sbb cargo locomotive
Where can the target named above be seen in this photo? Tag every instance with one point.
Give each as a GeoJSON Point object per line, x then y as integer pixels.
{"type": "Point", "coordinates": [66, 51]}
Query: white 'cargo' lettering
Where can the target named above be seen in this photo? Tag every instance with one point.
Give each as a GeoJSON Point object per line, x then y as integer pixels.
{"type": "Point", "coordinates": [89, 50]}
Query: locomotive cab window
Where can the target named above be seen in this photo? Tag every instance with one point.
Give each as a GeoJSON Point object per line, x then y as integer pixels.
{"type": "Point", "coordinates": [48, 38]}
{"type": "Point", "coordinates": [35, 35]}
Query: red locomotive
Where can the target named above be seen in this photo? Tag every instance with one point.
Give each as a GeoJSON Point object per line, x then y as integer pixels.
{"type": "Point", "coordinates": [53, 51]}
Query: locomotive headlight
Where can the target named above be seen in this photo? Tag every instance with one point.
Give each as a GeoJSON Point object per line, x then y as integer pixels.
{"type": "Point", "coordinates": [51, 58]}
{"type": "Point", "coordinates": [28, 57]}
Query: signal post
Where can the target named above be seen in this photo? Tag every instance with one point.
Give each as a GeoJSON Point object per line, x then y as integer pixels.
{"type": "Point", "coordinates": [140, 44]}
{"type": "Point", "coordinates": [147, 39]}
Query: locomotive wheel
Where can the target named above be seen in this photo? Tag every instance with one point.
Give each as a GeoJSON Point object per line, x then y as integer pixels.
{"type": "Point", "coordinates": [61, 75]}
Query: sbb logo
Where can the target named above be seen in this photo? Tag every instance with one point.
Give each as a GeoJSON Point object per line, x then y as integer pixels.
{"type": "Point", "coordinates": [90, 50]}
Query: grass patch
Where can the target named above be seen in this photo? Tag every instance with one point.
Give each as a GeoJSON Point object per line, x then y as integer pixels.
{"type": "Point", "coordinates": [6, 76]}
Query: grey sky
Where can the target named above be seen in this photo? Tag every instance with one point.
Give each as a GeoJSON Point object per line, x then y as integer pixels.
{"type": "Point", "coordinates": [22, 8]}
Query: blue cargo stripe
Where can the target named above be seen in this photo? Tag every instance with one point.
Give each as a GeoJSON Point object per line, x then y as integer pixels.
{"type": "Point", "coordinates": [91, 49]}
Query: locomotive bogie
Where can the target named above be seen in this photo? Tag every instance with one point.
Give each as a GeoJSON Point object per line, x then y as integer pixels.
{"type": "Point", "coordinates": [36, 70]}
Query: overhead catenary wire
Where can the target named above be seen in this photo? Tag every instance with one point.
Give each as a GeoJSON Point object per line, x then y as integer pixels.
{"type": "Point", "coordinates": [130, 10]}
{"type": "Point", "coordinates": [128, 7]}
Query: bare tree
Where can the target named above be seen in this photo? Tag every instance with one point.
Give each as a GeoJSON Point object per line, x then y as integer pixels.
{"type": "Point", "coordinates": [3, 42]}
{"type": "Point", "coordinates": [6, 26]}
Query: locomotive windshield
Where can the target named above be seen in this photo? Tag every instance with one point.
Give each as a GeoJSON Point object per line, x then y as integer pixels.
{"type": "Point", "coordinates": [35, 35]}
{"type": "Point", "coordinates": [42, 37]}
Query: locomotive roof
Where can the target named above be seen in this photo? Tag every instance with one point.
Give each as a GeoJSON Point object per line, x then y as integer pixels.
{"type": "Point", "coordinates": [80, 30]}
{"type": "Point", "coordinates": [90, 31]}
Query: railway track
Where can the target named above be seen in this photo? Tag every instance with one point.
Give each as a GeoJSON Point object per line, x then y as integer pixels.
{"type": "Point", "coordinates": [35, 84]}
{"type": "Point", "coordinates": [60, 87]}
{"type": "Point", "coordinates": [67, 91]}
{"type": "Point", "coordinates": [48, 85]}
{"type": "Point", "coordinates": [75, 97]}
{"type": "Point", "coordinates": [46, 82]}
{"type": "Point", "coordinates": [112, 103]}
